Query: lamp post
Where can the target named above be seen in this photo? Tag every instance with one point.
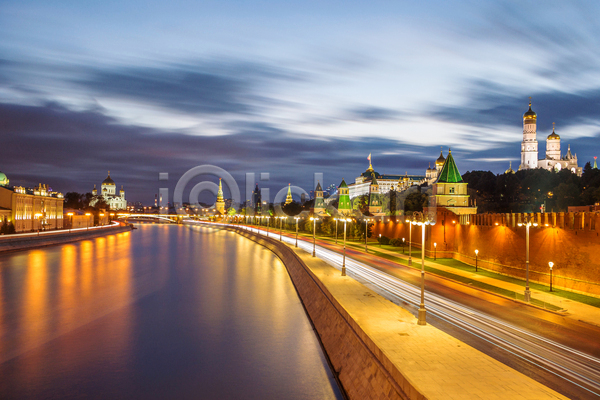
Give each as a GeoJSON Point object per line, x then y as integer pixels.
{"type": "Point", "coordinates": [314, 220]}
{"type": "Point", "coordinates": [344, 253]}
{"type": "Point", "coordinates": [336, 221]}
{"type": "Point", "coordinates": [403, 242]}
{"type": "Point", "coordinates": [70, 221]}
{"type": "Point", "coordinates": [87, 221]}
{"type": "Point", "coordinates": [422, 220]}
{"type": "Point", "coordinates": [366, 231]}
{"type": "Point", "coordinates": [476, 254]}
{"type": "Point", "coordinates": [267, 218]}
{"type": "Point", "coordinates": [551, 264]}
{"type": "Point", "coordinates": [528, 223]}
{"type": "Point", "coordinates": [410, 224]}
{"type": "Point", "coordinates": [280, 226]}
{"type": "Point", "coordinates": [102, 215]}
{"type": "Point", "coordinates": [296, 218]}
{"type": "Point", "coordinates": [434, 251]}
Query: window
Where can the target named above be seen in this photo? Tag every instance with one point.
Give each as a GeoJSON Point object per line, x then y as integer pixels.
{"type": "Point", "coordinates": [451, 190]}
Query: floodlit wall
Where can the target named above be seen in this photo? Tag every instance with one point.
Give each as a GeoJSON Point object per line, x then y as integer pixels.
{"type": "Point", "coordinates": [570, 240]}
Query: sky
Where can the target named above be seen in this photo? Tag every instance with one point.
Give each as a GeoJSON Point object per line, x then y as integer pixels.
{"type": "Point", "coordinates": [289, 88]}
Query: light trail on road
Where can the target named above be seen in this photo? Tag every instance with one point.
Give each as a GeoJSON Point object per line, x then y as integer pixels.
{"type": "Point", "coordinates": [570, 365]}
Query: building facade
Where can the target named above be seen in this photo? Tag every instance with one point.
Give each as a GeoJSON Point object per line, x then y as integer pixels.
{"type": "Point", "coordinates": [553, 160]}
{"type": "Point", "coordinates": [108, 191]}
{"type": "Point", "coordinates": [30, 210]}
{"type": "Point", "coordinates": [450, 191]}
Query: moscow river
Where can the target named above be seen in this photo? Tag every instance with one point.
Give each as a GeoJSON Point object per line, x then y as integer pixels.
{"type": "Point", "coordinates": [161, 312]}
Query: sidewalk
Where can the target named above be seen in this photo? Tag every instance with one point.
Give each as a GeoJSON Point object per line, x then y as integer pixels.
{"type": "Point", "coordinates": [571, 308]}
{"type": "Point", "coordinates": [440, 366]}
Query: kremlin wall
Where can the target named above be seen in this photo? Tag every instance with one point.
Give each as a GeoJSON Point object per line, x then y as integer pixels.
{"type": "Point", "coordinates": [569, 240]}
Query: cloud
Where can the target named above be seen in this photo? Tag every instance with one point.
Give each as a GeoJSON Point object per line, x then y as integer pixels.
{"type": "Point", "coordinates": [372, 113]}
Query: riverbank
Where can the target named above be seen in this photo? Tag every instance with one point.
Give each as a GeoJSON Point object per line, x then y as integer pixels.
{"type": "Point", "coordinates": [378, 350]}
{"type": "Point", "coordinates": [25, 241]}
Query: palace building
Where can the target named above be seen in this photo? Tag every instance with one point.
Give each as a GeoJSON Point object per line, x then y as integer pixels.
{"type": "Point", "coordinates": [554, 160]}
{"type": "Point", "coordinates": [109, 194]}
{"type": "Point", "coordinates": [385, 183]}
{"type": "Point", "coordinates": [30, 209]}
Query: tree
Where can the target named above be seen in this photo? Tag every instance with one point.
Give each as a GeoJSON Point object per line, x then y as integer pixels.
{"type": "Point", "coordinates": [415, 202]}
{"type": "Point", "coordinates": [74, 200]}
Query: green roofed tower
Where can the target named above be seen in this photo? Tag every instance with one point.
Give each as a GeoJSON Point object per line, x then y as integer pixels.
{"type": "Point", "coordinates": [344, 198]}
{"type": "Point", "coordinates": [374, 196]}
{"type": "Point", "coordinates": [319, 204]}
{"type": "Point", "coordinates": [450, 191]}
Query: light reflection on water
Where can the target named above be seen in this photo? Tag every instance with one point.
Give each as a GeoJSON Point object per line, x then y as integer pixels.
{"type": "Point", "coordinates": [161, 312]}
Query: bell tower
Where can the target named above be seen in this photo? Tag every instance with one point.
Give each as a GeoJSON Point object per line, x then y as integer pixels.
{"type": "Point", "coordinates": [529, 145]}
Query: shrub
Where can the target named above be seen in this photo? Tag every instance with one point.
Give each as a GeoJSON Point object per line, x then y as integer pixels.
{"type": "Point", "coordinates": [383, 240]}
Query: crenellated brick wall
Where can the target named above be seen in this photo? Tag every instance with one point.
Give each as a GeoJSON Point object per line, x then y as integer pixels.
{"type": "Point", "coordinates": [570, 240]}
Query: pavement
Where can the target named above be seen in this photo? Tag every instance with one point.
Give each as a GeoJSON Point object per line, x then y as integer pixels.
{"type": "Point", "coordinates": [440, 366]}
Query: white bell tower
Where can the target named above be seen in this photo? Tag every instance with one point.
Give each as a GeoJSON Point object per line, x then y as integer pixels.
{"type": "Point", "coordinates": [529, 145]}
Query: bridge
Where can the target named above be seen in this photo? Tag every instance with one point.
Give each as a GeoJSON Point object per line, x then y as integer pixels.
{"type": "Point", "coordinates": [169, 218]}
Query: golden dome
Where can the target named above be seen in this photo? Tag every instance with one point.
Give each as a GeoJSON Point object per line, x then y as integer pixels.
{"type": "Point", "coordinates": [530, 114]}
{"type": "Point", "coordinates": [441, 160]}
{"type": "Point", "coordinates": [553, 135]}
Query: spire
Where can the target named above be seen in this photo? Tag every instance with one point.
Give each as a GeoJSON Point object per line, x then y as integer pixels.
{"type": "Point", "coordinates": [318, 188]}
{"type": "Point", "coordinates": [374, 180]}
{"type": "Point", "coordinates": [595, 165]}
{"type": "Point", "coordinates": [370, 166]}
{"type": "Point", "coordinates": [450, 173]}
{"type": "Point", "coordinates": [220, 192]}
{"type": "Point", "coordinates": [289, 198]}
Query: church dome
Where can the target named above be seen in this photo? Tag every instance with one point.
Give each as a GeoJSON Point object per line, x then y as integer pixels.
{"type": "Point", "coordinates": [553, 135]}
{"type": "Point", "coordinates": [108, 180]}
{"type": "Point", "coordinates": [3, 179]}
{"type": "Point", "coordinates": [530, 114]}
{"type": "Point", "coordinates": [441, 160]}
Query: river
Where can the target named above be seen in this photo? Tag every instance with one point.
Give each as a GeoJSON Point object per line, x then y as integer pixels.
{"type": "Point", "coordinates": [161, 312]}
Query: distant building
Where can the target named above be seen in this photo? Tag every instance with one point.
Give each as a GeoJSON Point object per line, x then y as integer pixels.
{"type": "Point", "coordinates": [374, 197]}
{"type": "Point", "coordinates": [108, 191]}
{"type": "Point", "coordinates": [554, 160]}
{"type": "Point", "coordinates": [30, 209]}
{"type": "Point", "coordinates": [319, 205]}
{"type": "Point", "coordinates": [220, 204]}
{"type": "Point", "coordinates": [344, 206]}
{"type": "Point", "coordinates": [289, 198]}
{"type": "Point", "coordinates": [385, 182]}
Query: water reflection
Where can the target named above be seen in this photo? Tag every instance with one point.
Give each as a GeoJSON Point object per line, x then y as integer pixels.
{"type": "Point", "coordinates": [161, 312]}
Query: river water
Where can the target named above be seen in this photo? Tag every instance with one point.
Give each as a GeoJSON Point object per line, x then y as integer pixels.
{"type": "Point", "coordinates": [161, 312]}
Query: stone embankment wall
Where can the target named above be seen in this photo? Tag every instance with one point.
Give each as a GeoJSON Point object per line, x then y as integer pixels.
{"type": "Point", "coordinates": [361, 367]}
{"type": "Point", "coordinates": [570, 240]}
{"type": "Point", "coordinates": [14, 243]}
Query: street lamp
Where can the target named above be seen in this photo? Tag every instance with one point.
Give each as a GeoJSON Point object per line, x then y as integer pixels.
{"type": "Point", "coordinates": [296, 218]}
{"type": "Point", "coordinates": [551, 264]}
{"type": "Point", "coordinates": [336, 221]}
{"type": "Point", "coordinates": [528, 223]}
{"type": "Point", "coordinates": [280, 226]}
{"type": "Point", "coordinates": [314, 220]}
{"type": "Point", "coordinates": [344, 256]}
{"type": "Point", "coordinates": [71, 221]}
{"type": "Point", "coordinates": [410, 224]}
{"type": "Point", "coordinates": [403, 242]}
{"type": "Point", "coordinates": [424, 221]}
{"type": "Point", "coordinates": [267, 218]}
{"type": "Point", "coordinates": [434, 251]}
{"type": "Point", "coordinates": [476, 254]}
{"type": "Point", "coordinates": [366, 231]}
{"type": "Point", "coordinates": [87, 221]}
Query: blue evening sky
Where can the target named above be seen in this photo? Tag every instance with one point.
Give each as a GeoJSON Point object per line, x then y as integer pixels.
{"type": "Point", "coordinates": [290, 88]}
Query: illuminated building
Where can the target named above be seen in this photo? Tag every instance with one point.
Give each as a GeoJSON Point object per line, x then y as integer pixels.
{"type": "Point", "coordinates": [374, 197]}
{"type": "Point", "coordinates": [450, 191]}
{"type": "Point", "coordinates": [220, 204]}
{"type": "Point", "coordinates": [30, 209]}
{"type": "Point", "coordinates": [362, 184]}
{"type": "Point", "coordinates": [289, 198]}
{"type": "Point", "coordinates": [319, 205]}
{"type": "Point", "coordinates": [553, 161]}
{"type": "Point", "coordinates": [344, 207]}
{"type": "Point", "coordinates": [109, 194]}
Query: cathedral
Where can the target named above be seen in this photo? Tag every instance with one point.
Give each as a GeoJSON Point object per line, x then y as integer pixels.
{"type": "Point", "coordinates": [554, 159]}
{"type": "Point", "coordinates": [109, 193]}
